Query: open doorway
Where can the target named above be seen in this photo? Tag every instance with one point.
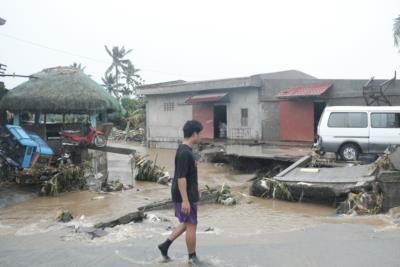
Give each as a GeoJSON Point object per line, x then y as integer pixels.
{"type": "Point", "coordinates": [220, 125]}
{"type": "Point", "coordinates": [318, 110]}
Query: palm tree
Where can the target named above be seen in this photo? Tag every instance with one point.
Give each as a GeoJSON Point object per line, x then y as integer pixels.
{"type": "Point", "coordinates": [109, 82]}
{"type": "Point", "coordinates": [122, 68]}
{"type": "Point", "coordinates": [396, 31]}
{"type": "Point", "coordinates": [118, 62]}
{"type": "Point", "coordinates": [132, 78]}
{"type": "Point", "coordinates": [78, 66]}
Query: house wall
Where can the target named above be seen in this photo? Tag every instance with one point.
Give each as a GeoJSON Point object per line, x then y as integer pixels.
{"type": "Point", "coordinates": [164, 128]}
{"type": "Point", "coordinates": [243, 99]}
{"type": "Point", "coordinates": [263, 108]}
{"type": "Point", "coordinates": [342, 93]}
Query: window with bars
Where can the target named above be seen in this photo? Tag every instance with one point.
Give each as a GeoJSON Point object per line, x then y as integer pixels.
{"type": "Point", "coordinates": [244, 118]}
{"type": "Point", "coordinates": [169, 106]}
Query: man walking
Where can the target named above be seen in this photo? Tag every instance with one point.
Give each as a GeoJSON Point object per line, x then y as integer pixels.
{"type": "Point", "coordinates": [185, 191]}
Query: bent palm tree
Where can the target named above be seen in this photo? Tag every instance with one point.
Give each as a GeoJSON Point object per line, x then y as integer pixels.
{"type": "Point", "coordinates": [396, 31]}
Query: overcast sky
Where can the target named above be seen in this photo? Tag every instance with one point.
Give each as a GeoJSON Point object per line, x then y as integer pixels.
{"type": "Point", "coordinates": [197, 40]}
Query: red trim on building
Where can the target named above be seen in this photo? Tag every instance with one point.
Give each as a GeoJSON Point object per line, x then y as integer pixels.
{"type": "Point", "coordinates": [305, 90]}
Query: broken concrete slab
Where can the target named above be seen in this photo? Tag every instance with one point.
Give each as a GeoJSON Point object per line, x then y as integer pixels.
{"type": "Point", "coordinates": [135, 217]}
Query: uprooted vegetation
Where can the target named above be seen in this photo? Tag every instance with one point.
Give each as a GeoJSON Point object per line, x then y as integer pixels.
{"type": "Point", "coordinates": [67, 177]}
{"type": "Point", "coordinates": [145, 169]}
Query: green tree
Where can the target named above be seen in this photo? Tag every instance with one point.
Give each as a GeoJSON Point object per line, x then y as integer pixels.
{"type": "Point", "coordinates": [136, 112]}
{"type": "Point", "coordinates": [110, 83]}
{"type": "Point", "coordinates": [123, 72]}
{"type": "Point", "coordinates": [132, 79]}
{"type": "Point", "coordinates": [396, 31]}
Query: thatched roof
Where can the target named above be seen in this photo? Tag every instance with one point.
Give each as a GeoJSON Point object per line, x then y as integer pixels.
{"type": "Point", "coordinates": [59, 90]}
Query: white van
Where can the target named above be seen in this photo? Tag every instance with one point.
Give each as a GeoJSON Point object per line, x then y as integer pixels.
{"type": "Point", "coordinates": [352, 130]}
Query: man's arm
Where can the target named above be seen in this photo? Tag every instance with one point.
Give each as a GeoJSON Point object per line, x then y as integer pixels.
{"type": "Point", "coordinates": [182, 185]}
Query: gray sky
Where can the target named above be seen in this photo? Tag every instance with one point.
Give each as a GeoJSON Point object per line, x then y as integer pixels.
{"type": "Point", "coordinates": [196, 40]}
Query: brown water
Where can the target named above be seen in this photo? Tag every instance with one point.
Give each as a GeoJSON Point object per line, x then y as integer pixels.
{"type": "Point", "coordinates": [245, 224]}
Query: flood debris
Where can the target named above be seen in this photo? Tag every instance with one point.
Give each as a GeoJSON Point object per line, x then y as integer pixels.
{"type": "Point", "coordinates": [220, 194]}
{"type": "Point", "coordinates": [356, 187]}
{"type": "Point", "coordinates": [112, 186]}
{"type": "Point", "coordinates": [362, 203]}
{"type": "Point", "coordinates": [148, 170]}
{"type": "Point", "coordinates": [67, 177]}
{"type": "Point", "coordinates": [135, 217]}
{"type": "Point", "coordinates": [128, 135]}
{"type": "Point", "coordinates": [224, 196]}
{"type": "Point", "coordinates": [64, 216]}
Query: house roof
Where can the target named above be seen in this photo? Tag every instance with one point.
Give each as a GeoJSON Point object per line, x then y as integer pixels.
{"type": "Point", "coordinates": [60, 90]}
{"type": "Point", "coordinates": [254, 81]}
{"type": "Point", "coordinates": [308, 90]}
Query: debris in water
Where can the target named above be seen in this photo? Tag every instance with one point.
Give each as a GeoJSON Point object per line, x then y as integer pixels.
{"type": "Point", "coordinates": [225, 196]}
{"type": "Point", "coordinates": [114, 185]}
{"type": "Point", "coordinates": [147, 170]}
{"type": "Point", "coordinates": [135, 217]}
{"type": "Point", "coordinates": [67, 177]}
{"type": "Point", "coordinates": [362, 203]}
{"type": "Point", "coordinates": [64, 216]}
{"type": "Point", "coordinates": [270, 188]}
{"type": "Point", "coordinates": [165, 180]}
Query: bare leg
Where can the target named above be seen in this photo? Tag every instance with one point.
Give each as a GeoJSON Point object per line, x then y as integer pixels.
{"type": "Point", "coordinates": [180, 229]}
{"type": "Point", "coordinates": [191, 237]}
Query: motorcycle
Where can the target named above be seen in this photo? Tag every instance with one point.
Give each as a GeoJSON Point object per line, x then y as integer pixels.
{"type": "Point", "coordinates": [93, 137]}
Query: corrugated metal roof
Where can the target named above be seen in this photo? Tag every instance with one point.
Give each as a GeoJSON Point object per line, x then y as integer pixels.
{"type": "Point", "coordinates": [205, 98]}
{"type": "Point", "coordinates": [308, 90]}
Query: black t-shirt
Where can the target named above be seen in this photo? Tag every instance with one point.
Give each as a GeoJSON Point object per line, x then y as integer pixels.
{"type": "Point", "coordinates": [185, 166]}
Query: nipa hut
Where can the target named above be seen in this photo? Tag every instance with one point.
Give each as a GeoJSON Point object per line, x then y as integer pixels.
{"type": "Point", "coordinates": [62, 91]}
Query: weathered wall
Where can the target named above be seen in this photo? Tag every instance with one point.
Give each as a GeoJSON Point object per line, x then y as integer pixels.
{"type": "Point", "coordinates": [262, 104]}
{"type": "Point", "coordinates": [343, 92]}
{"type": "Point", "coordinates": [166, 126]}
{"type": "Point", "coordinates": [242, 99]}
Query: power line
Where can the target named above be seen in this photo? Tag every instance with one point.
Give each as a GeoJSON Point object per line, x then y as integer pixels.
{"type": "Point", "coordinates": [80, 56]}
{"type": "Point", "coordinates": [52, 49]}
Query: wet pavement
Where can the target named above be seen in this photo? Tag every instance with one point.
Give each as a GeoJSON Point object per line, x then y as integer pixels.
{"type": "Point", "coordinates": [269, 151]}
{"type": "Point", "coordinates": [257, 232]}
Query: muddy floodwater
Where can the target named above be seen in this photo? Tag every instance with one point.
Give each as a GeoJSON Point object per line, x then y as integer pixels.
{"type": "Point", "coordinates": [256, 232]}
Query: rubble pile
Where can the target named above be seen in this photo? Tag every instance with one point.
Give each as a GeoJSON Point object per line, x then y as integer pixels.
{"type": "Point", "coordinates": [128, 135]}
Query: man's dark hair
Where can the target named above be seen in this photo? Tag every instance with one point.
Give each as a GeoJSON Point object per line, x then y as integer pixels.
{"type": "Point", "coordinates": [191, 127]}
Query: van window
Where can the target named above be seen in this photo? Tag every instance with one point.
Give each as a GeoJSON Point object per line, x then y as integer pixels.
{"type": "Point", "coordinates": [385, 120]}
{"type": "Point", "coordinates": [348, 120]}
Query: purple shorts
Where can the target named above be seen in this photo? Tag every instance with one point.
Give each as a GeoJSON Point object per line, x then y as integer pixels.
{"type": "Point", "coordinates": [186, 218]}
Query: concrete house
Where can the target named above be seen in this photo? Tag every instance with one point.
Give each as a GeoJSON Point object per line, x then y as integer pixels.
{"type": "Point", "coordinates": [279, 106]}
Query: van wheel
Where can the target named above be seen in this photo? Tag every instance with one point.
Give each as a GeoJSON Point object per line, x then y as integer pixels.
{"type": "Point", "coordinates": [349, 152]}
